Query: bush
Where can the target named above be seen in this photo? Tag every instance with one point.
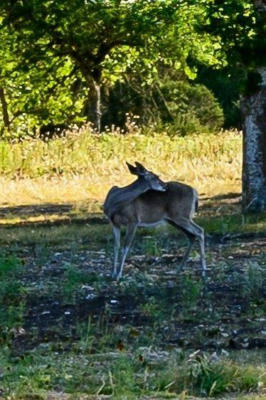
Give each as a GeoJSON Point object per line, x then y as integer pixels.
{"type": "Point", "coordinates": [190, 108]}
{"type": "Point", "coordinates": [176, 106]}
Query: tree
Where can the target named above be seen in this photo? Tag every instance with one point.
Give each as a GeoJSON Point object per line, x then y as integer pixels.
{"type": "Point", "coordinates": [103, 38]}
{"type": "Point", "coordinates": [32, 90]}
{"type": "Point", "coordinates": [254, 125]}
{"type": "Point", "coordinates": [241, 25]}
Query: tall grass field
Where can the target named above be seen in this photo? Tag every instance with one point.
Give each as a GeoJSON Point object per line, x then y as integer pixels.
{"type": "Point", "coordinates": [82, 166]}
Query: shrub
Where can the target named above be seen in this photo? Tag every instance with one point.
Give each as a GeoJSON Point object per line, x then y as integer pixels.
{"type": "Point", "coordinates": [177, 105]}
{"type": "Point", "coordinates": [190, 107]}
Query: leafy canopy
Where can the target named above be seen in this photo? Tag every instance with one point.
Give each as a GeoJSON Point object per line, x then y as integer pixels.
{"type": "Point", "coordinates": [53, 50]}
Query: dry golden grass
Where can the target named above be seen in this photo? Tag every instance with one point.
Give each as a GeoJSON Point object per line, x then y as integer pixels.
{"type": "Point", "coordinates": [82, 167]}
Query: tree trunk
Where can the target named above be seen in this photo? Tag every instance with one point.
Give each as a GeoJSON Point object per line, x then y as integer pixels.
{"type": "Point", "coordinates": [4, 109]}
{"type": "Point", "coordinates": [254, 149]}
{"type": "Point", "coordinates": [98, 106]}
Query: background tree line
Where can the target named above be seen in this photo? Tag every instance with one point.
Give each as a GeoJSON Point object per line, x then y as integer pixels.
{"type": "Point", "coordinates": [66, 62]}
{"type": "Point", "coordinates": [183, 64]}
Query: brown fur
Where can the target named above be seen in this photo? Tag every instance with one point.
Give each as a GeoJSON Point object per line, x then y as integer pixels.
{"type": "Point", "coordinates": [174, 203]}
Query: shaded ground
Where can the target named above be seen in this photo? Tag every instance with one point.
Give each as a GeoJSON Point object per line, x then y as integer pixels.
{"type": "Point", "coordinates": [78, 211]}
{"type": "Point", "coordinates": [228, 311]}
{"type": "Point", "coordinates": [56, 292]}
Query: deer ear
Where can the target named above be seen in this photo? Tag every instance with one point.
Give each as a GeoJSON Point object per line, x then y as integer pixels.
{"type": "Point", "coordinates": [132, 169]}
{"type": "Point", "coordinates": [140, 167]}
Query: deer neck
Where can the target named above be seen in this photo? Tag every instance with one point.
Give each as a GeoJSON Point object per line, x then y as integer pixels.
{"type": "Point", "coordinates": [131, 192]}
{"type": "Point", "coordinates": [119, 197]}
{"type": "Point", "coordinates": [138, 187]}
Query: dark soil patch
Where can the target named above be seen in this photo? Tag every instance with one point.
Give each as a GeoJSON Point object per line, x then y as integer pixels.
{"type": "Point", "coordinates": [178, 308]}
{"type": "Point", "coordinates": [69, 287]}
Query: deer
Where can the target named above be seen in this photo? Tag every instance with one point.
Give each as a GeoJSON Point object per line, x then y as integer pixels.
{"type": "Point", "coordinates": [149, 201]}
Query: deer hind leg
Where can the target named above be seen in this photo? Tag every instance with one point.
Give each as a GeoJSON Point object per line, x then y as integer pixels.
{"type": "Point", "coordinates": [191, 239]}
{"type": "Point", "coordinates": [116, 233]}
{"type": "Point", "coordinates": [131, 230]}
{"type": "Point", "coordinates": [193, 231]}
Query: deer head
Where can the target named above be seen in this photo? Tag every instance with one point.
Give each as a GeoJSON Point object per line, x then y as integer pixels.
{"type": "Point", "coordinates": [154, 182]}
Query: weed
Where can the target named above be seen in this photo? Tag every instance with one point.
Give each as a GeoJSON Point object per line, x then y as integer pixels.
{"type": "Point", "coordinates": [212, 378]}
{"type": "Point", "coordinates": [254, 282]}
{"type": "Point", "coordinates": [9, 267]}
{"type": "Point", "coordinates": [151, 246]}
{"type": "Point", "coordinates": [87, 335]}
{"type": "Point", "coordinates": [191, 292]}
{"type": "Point", "coordinates": [152, 309]}
{"type": "Point", "coordinates": [73, 280]}
{"type": "Point", "coordinates": [122, 379]}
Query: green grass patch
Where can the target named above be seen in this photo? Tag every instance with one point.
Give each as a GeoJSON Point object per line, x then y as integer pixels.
{"type": "Point", "coordinates": [236, 223]}
{"type": "Point", "coordinates": [133, 375]}
{"type": "Point", "coordinates": [12, 294]}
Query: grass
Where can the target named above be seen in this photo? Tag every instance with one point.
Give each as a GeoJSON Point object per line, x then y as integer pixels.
{"type": "Point", "coordinates": [44, 231]}
{"type": "Point", "coordinates": [83, 166]}
{"type": "Point", "coordinates": [128, 375]}
{"type": "Point", "coordinates": [67, 331]}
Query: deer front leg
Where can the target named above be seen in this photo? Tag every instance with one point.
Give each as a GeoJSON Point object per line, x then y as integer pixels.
{"type": "Point", "coordinates": [116, 232]}
{"type": "Point", "coordinates": [131, 230]}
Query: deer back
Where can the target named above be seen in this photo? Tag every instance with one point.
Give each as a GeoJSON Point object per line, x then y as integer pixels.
{"type": "Point", "coordinates": [151, 207]}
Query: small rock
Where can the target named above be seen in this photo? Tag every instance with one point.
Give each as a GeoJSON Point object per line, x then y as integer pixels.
{"type": "Point", "coordinates": [224, 334]}
{"type": "Point", "coordinates": [90, 296]}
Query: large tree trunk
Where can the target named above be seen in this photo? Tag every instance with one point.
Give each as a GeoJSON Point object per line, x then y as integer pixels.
{"type": "Point", "coordinates": [4, 109]}
{"type": "Point", "coordinates": [254, 149]}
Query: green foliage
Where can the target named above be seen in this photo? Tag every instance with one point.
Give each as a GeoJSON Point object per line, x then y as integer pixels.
{"type": "Point", "coordinates": [226, 84]}
{"type": "Point", "coordinates": [64, 48]}
{"type": "Point", "coordinates": [123, 381]}
{"type": "Point", "coordinates": [37, 87]}
{"type": "Point", "coordinates": [56, 64]}
{"type": "Point", "coordinates": [190, 107]}
{"type": "Point", "coordinates": [172, 103]}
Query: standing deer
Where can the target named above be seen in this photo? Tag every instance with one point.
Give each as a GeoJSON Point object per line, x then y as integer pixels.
{"type": "Point", "coordinates": [147, 202]}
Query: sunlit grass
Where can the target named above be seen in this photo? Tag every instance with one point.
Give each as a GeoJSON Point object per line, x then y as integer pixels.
{"type": "Point", "coordinates": [82, 167]}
